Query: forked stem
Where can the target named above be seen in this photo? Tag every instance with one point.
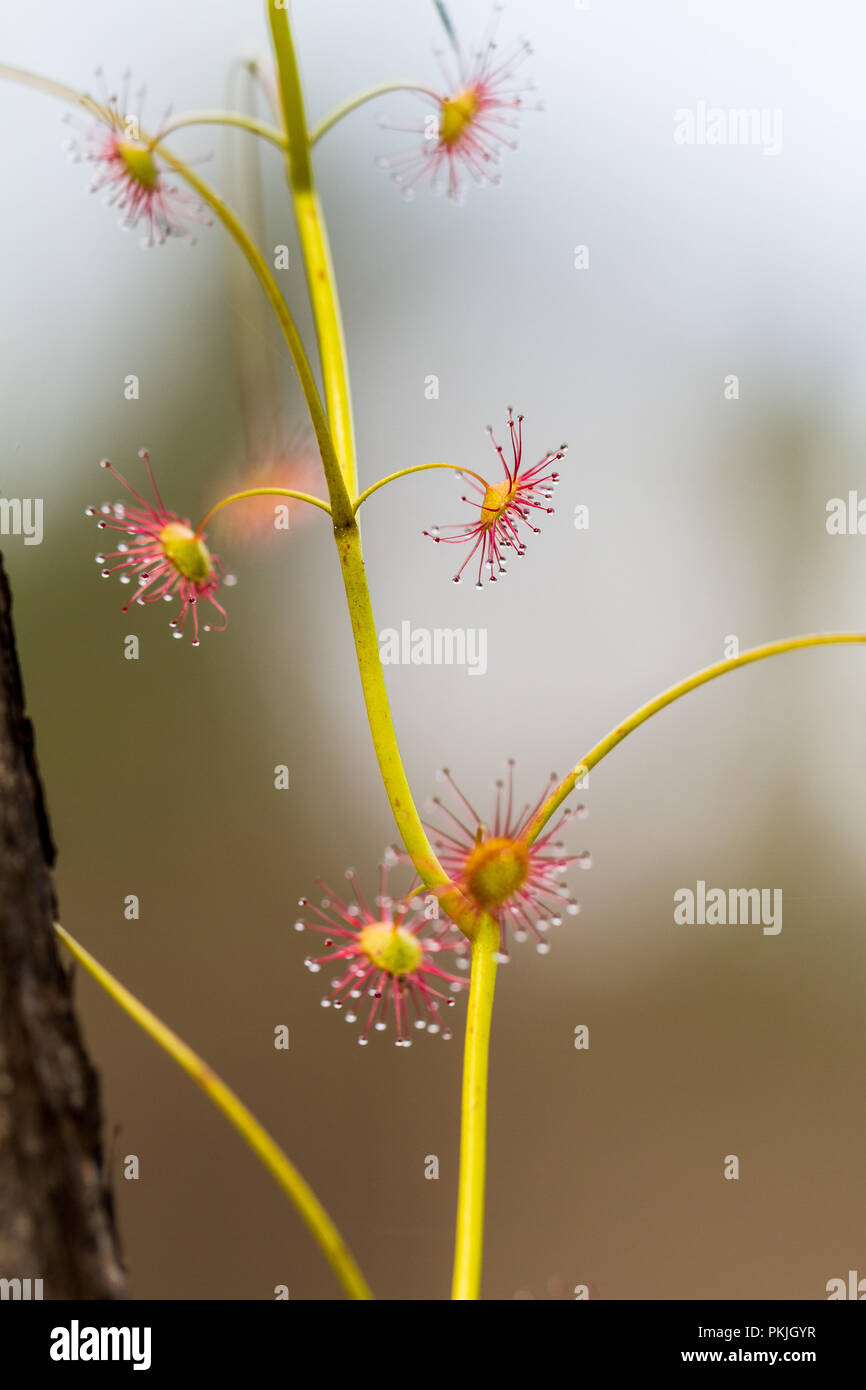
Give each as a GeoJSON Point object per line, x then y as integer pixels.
{"type": "Point", "coordinates": [335, 436]}
{"type": "Point", "coordinates": [470, 1209]}
{"type": "Point", "coordinates": [326, 314]}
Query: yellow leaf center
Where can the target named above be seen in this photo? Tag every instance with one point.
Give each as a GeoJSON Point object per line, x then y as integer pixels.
{"type": "Point", "coordinates": [186, 551]}
{"type": "Point", "coordinates": [139, 161]}
{"type": "Point", "coordinates": [497, 499]}
{"type": "Point", "coordinates": [457, 113]}
{"type": "Point", "coordinates": [391, 948]}
{"type": "Point", "coordinates": [495, 870]}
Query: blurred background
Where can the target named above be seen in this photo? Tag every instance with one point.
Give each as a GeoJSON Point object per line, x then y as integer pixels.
{"type": "Point", "coordinates": [707, 520]}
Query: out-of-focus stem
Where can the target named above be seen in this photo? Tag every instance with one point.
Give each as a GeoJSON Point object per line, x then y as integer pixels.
{"type": "Point", "coordinates": [369, 94]}
{"type": "Point", "coordinates": [235, 228]}
{"type": "Point", "coordinates": [232, 118]}
{"type": "Point", "coordinates": [233, 225]}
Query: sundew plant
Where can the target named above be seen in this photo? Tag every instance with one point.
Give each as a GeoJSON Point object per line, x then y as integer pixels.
{"type": "Point", "coordinates": [408, 949]}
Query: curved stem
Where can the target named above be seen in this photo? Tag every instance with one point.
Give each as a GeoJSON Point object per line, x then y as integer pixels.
{"type": "Point", "coordinates": [473, 1130]}
{"type": "Point", "coordinates": [53, 89]}
{"type": "Point", "coordinates": [320, 277]}
{"type": "Point", "coordinates": [251, 1131]}
{"type": "Point", "coordinates": [232, 224]}
{"type": "Point", "coordinates": [236, 229]}
{"type": "Point", "coordinates": [316, 252]}
{"type": "Point", "coordinates": [262, 492]}
{"type": "Point", "coordinates": [667, 697]}
{"type": "Point", "coordinates": [369, 94]}
{"type": "Point", "coordinates": [266, 83]}
{"type": "Point", "coordinates": [233, 118]}
{"type": "Point", "coordinates": [406, 816]}
{"type": "Point", "coordinates": [417, 468]}
{"type": "Point", "coordinates": [387, 749]}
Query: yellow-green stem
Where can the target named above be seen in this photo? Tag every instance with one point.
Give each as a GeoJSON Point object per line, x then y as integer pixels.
{"type": "Point", "coordinates": [483, 933]}
{"type": "Point", "coordinates": [667, 697]}
{"type": "Point", "coordinates": [230, 118]}
{"type": "Point", "coordinates": [251, 1131]}
{"type": "Point", "coordinates": [369, 94]}
{"type": "Point", "coordinates": [327, 445]}
{"type": "Point", "coordinates": [417, 468]}
{"type": "Point", "coordinates": [55, 89]}
{"type": "Point", "coordinates": [320, 277]}
{"type": "Point", "coordinates": [314, 245]}
{"type": "Point", "coordinates": [473, 1114]}
{"type": "Point", "coordinates": [341, 505]}
{"type": "Point", "coordinates": [366, 639]}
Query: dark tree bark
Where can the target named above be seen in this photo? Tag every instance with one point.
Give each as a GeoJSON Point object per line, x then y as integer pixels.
{"type": "Point", "coordinates": [56, 1218]}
